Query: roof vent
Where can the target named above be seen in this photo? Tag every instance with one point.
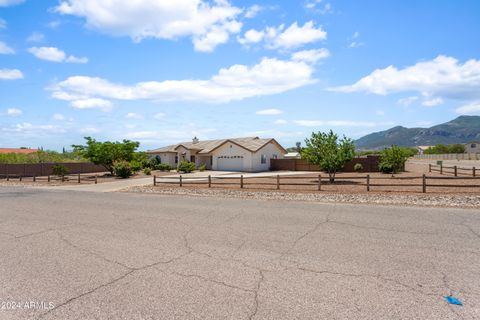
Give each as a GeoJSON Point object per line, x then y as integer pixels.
{"type": "Point", "coordinates": [195, 140]}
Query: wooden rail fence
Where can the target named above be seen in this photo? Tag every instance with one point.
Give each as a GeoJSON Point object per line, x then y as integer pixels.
{"type": "Point", "coordinates": [78, 178]}
{"type": "Point", "coordinates": [455, 170]}
{"type": "Point", "coordinates": [276, 182]}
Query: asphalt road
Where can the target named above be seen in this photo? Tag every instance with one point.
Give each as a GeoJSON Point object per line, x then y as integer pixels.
{"type": "Point", "coordinates": [83, 255]}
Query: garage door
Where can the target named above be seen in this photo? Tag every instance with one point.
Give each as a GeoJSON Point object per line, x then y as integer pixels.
{"type": "Point", "coordinates": [231, 163]}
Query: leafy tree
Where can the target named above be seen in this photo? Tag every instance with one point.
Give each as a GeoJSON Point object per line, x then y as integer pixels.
{"type": "Point", "coordinates": [122, 169]}
{"type": "Point", "coordinates": [107, 153]}
{"type": "Point", "coordinates": [393, 159]}
{"type": "Point", "coordinates": [442, 149]}
{"type": "Point", "coordinates": [327, 151]}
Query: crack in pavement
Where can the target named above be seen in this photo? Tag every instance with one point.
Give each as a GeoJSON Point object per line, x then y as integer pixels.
{"type": "Point", "coordinates": [257, 288]}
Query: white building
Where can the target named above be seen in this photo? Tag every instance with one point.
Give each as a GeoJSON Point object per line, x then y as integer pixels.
{"type": "Point", "coordinates": [250, 154]}
{"type": "Point", "coordinates": [472, 147]}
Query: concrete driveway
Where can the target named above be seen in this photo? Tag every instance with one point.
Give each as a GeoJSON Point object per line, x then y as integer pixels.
{"type": "Point", "coordinates": [84, 255]}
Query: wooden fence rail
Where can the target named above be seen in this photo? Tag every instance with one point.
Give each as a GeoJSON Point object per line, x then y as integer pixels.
{"type": "Point", "coordinates": [276, 182]}
{"type": "Point", "coordinates": [77, 178]}
{"type": "Point", "coordinates": [456, 170]}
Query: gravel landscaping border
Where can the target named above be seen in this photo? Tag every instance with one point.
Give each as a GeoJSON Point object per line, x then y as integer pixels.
{"type": "Point", "coordinates": [426, 200]}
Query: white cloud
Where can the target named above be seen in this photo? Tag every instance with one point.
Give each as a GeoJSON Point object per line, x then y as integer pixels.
{"type": "Point", "coordinates": [92, 103]}
{"type": "Point", "coordinates": [207, 23]}
{"type": "Point", "coordinates": [55, 55]}
{"type": "Point", "coordinates": [280, 121]}
{"type": "Point", "coordinates": [238, 82]}
{"type": "Point", "coordinates": [432, 102]}
{"type": "Point", "coordinates": [13, 112]}
{"type": "Point", "coordinates": [36, 37]}
{"type": "Point", "coordinates": [5, 49]}
{"type": "Point", "coordinates": [315, 6]}
{"type": "Point", "coordinates": [253, 11]}
{"type": "Point", "coordinates": [442, 77]}
{"type": "Point", "coordinates": [354, 42]}
{"type": "Point", "coordinates": [159, 115]}
{"type": "Point", "coordinates": [340, 123]}
{"type": "Point", "coordinates": [3, 24]}
{"type": "Point", "coordinates": [10, 74]}
{"type": "Point", "coordinates": [133, 115]}
{"type": "Point", "coordinates": [6, 3]}
{"type": "Point", "coordinates": [471, 108]}
{"type": "Point", "coordinates": [294, 36]}
{"type": "Point", "coordinates": [89, 130]}
{"type": "Point", "coordinates": [269, 112]}
{"type": "Point", "coordinates": [311, 56]}
{"type": "Point", "coordinates": [58, 117]}
{"type": "Point", "coordinates": [26, 128]}
{"type": "Point", "coordinates": [407, 101]}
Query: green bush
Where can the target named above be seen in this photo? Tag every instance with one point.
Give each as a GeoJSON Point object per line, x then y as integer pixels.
{"type": "Point", "coordinates": [163, 167]}
{"type": "Point", "coordinates": [393, 159]}
{"type": "Point", "coordinates": [153, 162]}
{"type": "Point", "coordinates": [186, 166]}
{"type": "Point", "coordinates": [358, 167]}
{"type": "Point", "coordinates": [122, 169]}
{"type": "Point", "coordinates": [136, 166]}
{"type": "Point", "coordinates": [147, 171]}
{"type": "Point", "coordinates": [202, 167]}
{"type": "Point", "coordinates": [59, 170]}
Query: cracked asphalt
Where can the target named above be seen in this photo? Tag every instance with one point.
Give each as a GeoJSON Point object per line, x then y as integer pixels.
{"type": "Point", "coordinates": [137, 256]}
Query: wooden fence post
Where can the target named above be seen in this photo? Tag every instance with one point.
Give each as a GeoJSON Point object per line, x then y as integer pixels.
{"type": "Point", "coordinates": [241, 181]}
{"type": "Point", "coordinates": [209, 181]}
{"type": "Point", "coordinates": [441, 169]}
{"type": "Point", "coordinates": [8, 177]}
{"type": "Point", "coordinates": [455, 170]}
{"type": "Point", "coordinates": [180, 181]}
{"type": "Point", "coordinates": [278, 182]}
{"type": "Point", "coordinates": [474, 173]}
{"type": "Point", "coordinates": [154, 180]}
{"type": "Point", "coordinates": [21, 176]}
{"type": "Point", "coordinates": [368, 182]}
{"type": "Point", "coordinates": [79, 178]}
{"type": "Point", "coordinates": [96, 178]}
{"type": "Point", "coordinates": [429, 167]}
{"type": "Point", "coordinates": [424, 183]}
{"type": "Point", "coordinates": [48, 178]}
{"type": "Point", "coordinates": [34, 178]}
{"type": "Point", "coordinates": [63, 178]}
{"type": "Point", "coordinates": [319, 182]}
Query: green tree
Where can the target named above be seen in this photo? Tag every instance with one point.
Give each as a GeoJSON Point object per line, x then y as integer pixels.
{"type": "Point", "coordinates": [327, 151]}
{"type": "Point", "coordinates": [393, 159]}
{"type": "Point", "coordinates": [107, 153]}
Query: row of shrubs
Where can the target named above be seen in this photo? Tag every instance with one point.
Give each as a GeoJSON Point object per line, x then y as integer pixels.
{"type": "Point", "coordinates": [124, 169]}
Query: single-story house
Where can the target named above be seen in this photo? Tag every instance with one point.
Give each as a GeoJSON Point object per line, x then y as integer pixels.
{"type": "Point", "coordinates": [293, 155]}
{"type": "Point", "coordinates": [472, 147]}
{"type": "Point", "coordinates": [18, 150]}
{"type": "Point", "coordinates": [250, 154]}
{"type": "Point", "coordinates": [421, 149]}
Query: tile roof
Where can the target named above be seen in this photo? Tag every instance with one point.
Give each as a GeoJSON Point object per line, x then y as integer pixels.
{"type": "Point", "coordinates": [250, 143]}
{"type": "Point", "coordinates": [17, 150]}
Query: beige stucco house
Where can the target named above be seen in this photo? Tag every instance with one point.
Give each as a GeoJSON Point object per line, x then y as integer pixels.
{"type": "Point", "coordinates": [472, 147]}
{"type": "Point", "coordinates": [250, 154]}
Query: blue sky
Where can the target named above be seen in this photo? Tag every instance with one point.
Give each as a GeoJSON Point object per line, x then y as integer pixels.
{"type": "Point", "coordinates": [160, 71]}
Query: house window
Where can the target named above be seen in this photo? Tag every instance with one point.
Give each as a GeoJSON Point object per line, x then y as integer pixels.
{"type": "Point", "coordinates": [263, 159]}
{"type": "Point", "coordinates": [474, 145]}
{"type": "Point", "coordinates": [274, 156]}
{"type": "Point", "coordinates": [176, 159]}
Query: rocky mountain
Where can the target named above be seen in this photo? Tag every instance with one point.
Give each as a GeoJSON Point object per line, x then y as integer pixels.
{"type": "Point", "coordinates": [463, 129]}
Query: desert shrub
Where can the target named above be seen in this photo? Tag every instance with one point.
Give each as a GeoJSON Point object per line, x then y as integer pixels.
{"type": "Point", "coordinates": [358, 167]}
{"type": "Point", "coordinates": [59, 170]}
{"type": "Point", "coordinates": [153, 162]}
{"type": "Point", "coordinates": [163, 167]}
{"type": "Point", "coordinates": [393, 159]}
{"type": "Point", "coordinates": [122, 169]}
{"type": "Point", "coordinates": [136, 166]}
{"type": "Point", "coordinates": [147, 171]}
{"type": "Point", "coordinates": [186, 166]}
{"type": "Point", "coordinates": [202, 167]}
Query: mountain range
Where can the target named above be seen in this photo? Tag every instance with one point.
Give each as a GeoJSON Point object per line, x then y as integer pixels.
{"type": "Point", "coordinates": [463, 129]}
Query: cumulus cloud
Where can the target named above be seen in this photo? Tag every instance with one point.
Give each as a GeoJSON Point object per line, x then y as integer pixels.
{"type": "Point", "coordinates": [442, 77]}
{"type": "Point", "coordinates": [13, 112]}
{"type": "Point", "coordinates": [5, 49]}
{"type": "Point", "coordinates": [253, 11]}
{"type": "Point", "coordinates": [55, 55]}
{"type": "Point", "coordinates": [238, 82]}
{"type": "Point", "coordinates": [26, 128]}
{"type": "Point", "coordinates": [91, 103]}
{"type": "Point", "coordinates": [471, 108]}
{"type": "Point", "coordinates": [269, 112]}
{"type": "Point", "coordinates": [36, 37]}
{"type": "Point", "coordinates": [311, 56]}
{"type": "Point", "coordinates": [207, 23]}
{"type": "Point", "coordinates": [7, 3]}
{"type": "Point", "coordinates": [294, 36]}
{"type": "Point", "coordinates": [10, 74]}
{"type": "Point", "coordinates": [432, 102]}
{"type": "Point", "coordinates": [340, 123]}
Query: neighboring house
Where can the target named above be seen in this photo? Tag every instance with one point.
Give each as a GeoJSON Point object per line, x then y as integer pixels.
{"type": "Point", "coordinates": [17, 150]}
{"type": "Point", "coordinates": [421, 149]}
{"type": "Point", "coordinates": [472, 147]}
{"type": "Point", "coordinates": [250, 154]}
{"type": "Point", "coordinates": [293, 155]}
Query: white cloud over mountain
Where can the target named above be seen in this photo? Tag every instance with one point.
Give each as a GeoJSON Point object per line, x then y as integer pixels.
{"type": "Point", "coordinates": [270, 76]}
{"type": "Point", "coordinates": [437, 79]}
{"type": "Point", "coordinates": [207, 23]}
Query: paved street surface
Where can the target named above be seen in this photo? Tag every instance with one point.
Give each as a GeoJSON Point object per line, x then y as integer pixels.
{"type": "Point", "coordinates": [134, 256]}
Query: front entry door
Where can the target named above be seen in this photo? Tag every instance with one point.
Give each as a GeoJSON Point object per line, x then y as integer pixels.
{"type": "Point", "coordinates": [192, 159]}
